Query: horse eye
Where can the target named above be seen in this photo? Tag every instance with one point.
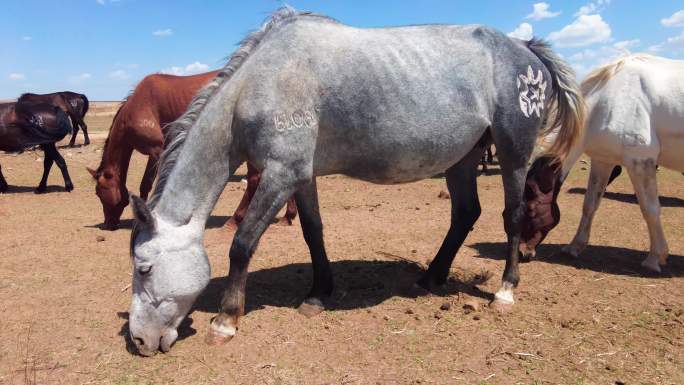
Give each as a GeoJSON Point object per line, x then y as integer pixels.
{"type": "Point", "coordinates": [144, 270]}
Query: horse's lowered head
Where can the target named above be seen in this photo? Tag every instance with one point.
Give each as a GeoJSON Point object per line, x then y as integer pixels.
{"type": "Point", "coordinates": [541, 207]}
{"type": "Point", "coordinates": [170, 270]}
{"type": "Point", "coordinates": [114, 198]}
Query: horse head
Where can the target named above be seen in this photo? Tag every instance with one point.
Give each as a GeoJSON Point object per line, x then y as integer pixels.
{"type": "Point", "coordinates": [114, 198]}
{"type": "Point", "coordinates": [541, 207]}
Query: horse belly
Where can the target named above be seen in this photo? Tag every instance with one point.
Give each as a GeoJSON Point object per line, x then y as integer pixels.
{"type": "Point", "coordinates": [402, 156]}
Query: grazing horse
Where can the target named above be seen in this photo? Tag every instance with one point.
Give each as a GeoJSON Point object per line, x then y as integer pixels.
{"type": "Point", "coordinates": [138, 125]}
{"type": "Point", "coordinates": [73, 104]}
{"type": "Point", "coordinates": [635, 119]}
{"type": "Point", "coordinates": [24, 124]}
{"type": "Point", "coordinates": [306, 96]}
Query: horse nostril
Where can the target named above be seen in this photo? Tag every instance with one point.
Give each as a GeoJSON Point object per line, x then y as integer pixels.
{"type": "Point", "coordinates": [138, 341]}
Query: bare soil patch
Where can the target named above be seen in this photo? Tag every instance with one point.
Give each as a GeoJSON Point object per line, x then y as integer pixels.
{"type": "Point", "coordinates": [595, 320]}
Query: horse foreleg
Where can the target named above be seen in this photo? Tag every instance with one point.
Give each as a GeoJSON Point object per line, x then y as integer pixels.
{"type": "Point", "coordinates": [598, 179]}
{"type": "Point", "coordinates": [277, 185]}
{"type": "Point", "coordinates": [61, 163]}
{"type": "Point", "coordinates": [465, 210]}
{"type": "Point", "coordinates": [47, 165]}
{"type": "Point", "coordinates": [148, 177]}
{"type": "Point", "coordinates": [312, 228]}
{"type": "Point", "coordinates": [643, 176]}
{"type": "Point", "coordinates": [3, 183]}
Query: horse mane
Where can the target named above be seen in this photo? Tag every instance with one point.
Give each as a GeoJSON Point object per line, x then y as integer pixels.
{"type": "Point", "coordinates": [106, 143]}
{"type": "Point", "coordinates": [176, 132]}
{"type": "Point", "coordinates": [598, 78]}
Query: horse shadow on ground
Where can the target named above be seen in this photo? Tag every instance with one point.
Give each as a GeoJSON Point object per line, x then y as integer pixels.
{"type": "Point", "coordinates": [32, 189]}
{"type": "Point", "coordinates": [358, 285]}
{"type": "Point", "coordinates": [74, 147]}
{"type": "Point", "coordinates": [630, 198]}
{"type": "Point", "coordinates": [214, 222]}
{"type": "Point", "coordinates": [602, 259]}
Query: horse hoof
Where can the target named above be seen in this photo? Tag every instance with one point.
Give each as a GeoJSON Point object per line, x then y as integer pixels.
{"type": "Point", "coordinates": [219, 335]}
{"type": "Point", "coordinates": [69, 187]}
{"type": "Point", "coordinates": [284, 221]}
{"type": "Point", "coordinates": [651, 267]}
{"type": "Point", "coordinates": [310, 309]}
{"type": "Point", "coordinates": [501, 307]}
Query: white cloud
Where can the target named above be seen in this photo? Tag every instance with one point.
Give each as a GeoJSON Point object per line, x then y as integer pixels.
{"type": "Point", "coordinates": [26, 38]}
{"type": "Point", "coordinates": [80, 77]}
{"type": "Point", "coordinates": [523, 32]}
{"type": "Point", "coordinates": [101, 2]}
{"type": "Point", "coordinates": [585, 30]}
{"type": "Point", "coordinates": [189, 69]}
{"type": "Point", "coordinates": [591, 58]}
{"type": "Point", "coordinates": [119, 75]}
{"type": "Point", "coordinates": [163, 32]}
{"type": "Point", "coordinates": [593, 7]}
{"type": "Point", "coordinates": [16, 76]}
{"type": "Point", "coordinates": [541, 11]}
{"type": "Point", "coordinates": [672, 44]}
{"type": "Point", "coordinates": [676, 20]}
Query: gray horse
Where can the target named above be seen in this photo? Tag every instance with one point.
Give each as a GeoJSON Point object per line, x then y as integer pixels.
{"type": "Point", "coordinates": [306, 96]}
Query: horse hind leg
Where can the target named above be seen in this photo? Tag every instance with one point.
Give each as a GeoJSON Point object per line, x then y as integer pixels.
{"type": "Point", "coordinates": [643, 176]}
{"type": "Point", "coordinates": [84, 127]}
{"type": "Point", "coordinates": [461, 181]}
{"type": "Point", "coordinates": [596, 187]}
{"type": "Point", "coordinates": [74, 125]}
{"type": "Point", "coordinates": [278, 182]}
{"type": "Point", "coordinates": [312, 228]}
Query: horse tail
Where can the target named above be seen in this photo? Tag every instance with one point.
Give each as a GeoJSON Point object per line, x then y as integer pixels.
{"type": "Point", "coordinates": [86, 105]}
{"type": "Point", "coordinates": [566, 113]}
{"type": "Point", "coordinates": [598, 78]}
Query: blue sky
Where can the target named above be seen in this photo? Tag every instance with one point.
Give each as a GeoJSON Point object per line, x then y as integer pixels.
{"type": "Point", "coordinates": [104, 47]}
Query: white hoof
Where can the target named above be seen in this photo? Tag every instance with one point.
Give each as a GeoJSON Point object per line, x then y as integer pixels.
{"type": "Point", "coordinates": [651, 263]}
{"type": "Point", "coordinates": [505, 294]}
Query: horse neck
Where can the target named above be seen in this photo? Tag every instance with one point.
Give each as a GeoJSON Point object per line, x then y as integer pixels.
{"type": "Point", "coordinates": [117, 153]}
{"type": "Point", "coordinates": [202, 168]}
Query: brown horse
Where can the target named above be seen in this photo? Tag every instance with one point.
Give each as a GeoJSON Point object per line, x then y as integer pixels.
{"type": "Point", "coordinates": [24, 124]}
{"type": "Point", "coordinates": [73, 104]}
{"type": "Point", "coordinates": [138, 125]}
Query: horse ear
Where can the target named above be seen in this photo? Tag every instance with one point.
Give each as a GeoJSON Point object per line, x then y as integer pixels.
{"type": "Point", "coordinates": [92, 172]}
{"type": "Point", "coordinates": [141, 212]}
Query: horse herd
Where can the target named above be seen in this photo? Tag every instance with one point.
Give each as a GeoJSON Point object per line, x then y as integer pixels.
{"type": "Point", "coordinates": [306, 96]}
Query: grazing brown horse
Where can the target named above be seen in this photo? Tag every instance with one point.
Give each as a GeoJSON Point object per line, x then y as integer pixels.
{"type": "Point", "coordinates": [73, 104]}
{"type": "Point", "coordinates": [24, 124]}
{"type": "Point", "coordinates": [138, 125]}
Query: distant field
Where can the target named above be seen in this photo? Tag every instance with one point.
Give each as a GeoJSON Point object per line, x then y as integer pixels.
{"type": "Point", "coordinates": [100, 115]}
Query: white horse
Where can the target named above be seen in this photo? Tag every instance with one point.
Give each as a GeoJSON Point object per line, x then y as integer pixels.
{"type": "Point", "coordinates": [635, 118]}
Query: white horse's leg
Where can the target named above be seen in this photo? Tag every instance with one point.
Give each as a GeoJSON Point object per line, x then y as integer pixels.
{"type": "Point", "coordinates": [598, 179]}
{"type": "Point", "coordinates": [643, 176]}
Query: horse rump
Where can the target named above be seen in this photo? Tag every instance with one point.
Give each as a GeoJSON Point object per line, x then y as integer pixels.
{"type": "Point", "coordinates": [42, 123]}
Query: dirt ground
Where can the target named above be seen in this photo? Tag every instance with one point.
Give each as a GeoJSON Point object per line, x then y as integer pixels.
{"type": "Point", "coordinates": [64, 291]}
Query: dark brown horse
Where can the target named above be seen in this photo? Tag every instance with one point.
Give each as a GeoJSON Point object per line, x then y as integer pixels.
{"type": "Point", "coordinates": [73, 104]}
{"type": "Point", "coordinates": [24, 124]}
{"type": "Point", "coordinates": [138, 125]}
